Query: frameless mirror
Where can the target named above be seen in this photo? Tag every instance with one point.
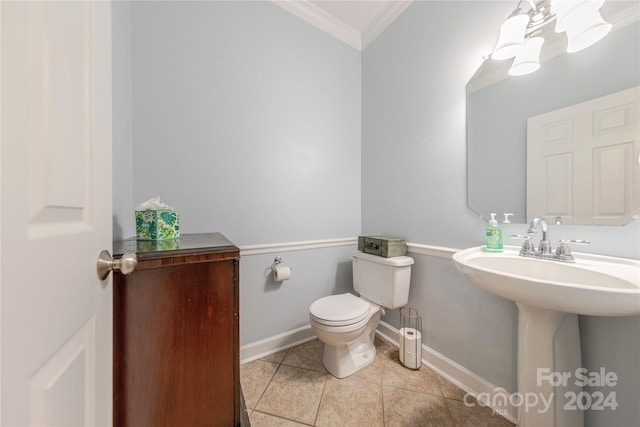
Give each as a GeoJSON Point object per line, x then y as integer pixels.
{"type": "Point", "coordinates": [499, 105]}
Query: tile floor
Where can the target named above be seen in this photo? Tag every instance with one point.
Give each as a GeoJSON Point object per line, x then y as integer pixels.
{"type": "Point", "coordinates": [292, 388]}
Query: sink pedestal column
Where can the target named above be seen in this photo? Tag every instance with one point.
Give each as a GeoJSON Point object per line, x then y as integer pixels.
{"type": "Point", "coordinates": [548, 356]}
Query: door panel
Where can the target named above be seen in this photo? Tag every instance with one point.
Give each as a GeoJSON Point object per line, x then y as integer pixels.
{"type": "Point", "coordinates": [55, 138]}
{"type": "Point", "coordinates": [601, 182]}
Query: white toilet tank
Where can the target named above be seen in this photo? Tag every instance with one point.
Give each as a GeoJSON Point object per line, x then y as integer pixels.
{"type": "Point", "coordinates": [383, 281]}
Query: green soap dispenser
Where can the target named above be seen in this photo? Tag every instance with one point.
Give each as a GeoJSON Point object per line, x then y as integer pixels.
{"type": "Point", "coordinates": [493, 235]}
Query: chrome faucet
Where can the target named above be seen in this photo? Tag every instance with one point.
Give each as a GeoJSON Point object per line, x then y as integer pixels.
{"type": "Point", "coordinates": [544, 248]}
{"type": "Point", "coordinates": [563, 253]}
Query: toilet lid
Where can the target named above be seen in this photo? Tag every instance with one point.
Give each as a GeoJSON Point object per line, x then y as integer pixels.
{"type": "Point", "coordinates": [340, 309]}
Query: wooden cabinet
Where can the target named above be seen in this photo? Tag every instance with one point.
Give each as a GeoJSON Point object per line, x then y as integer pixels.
{"type": "Point", "coordinates": [175, 334]}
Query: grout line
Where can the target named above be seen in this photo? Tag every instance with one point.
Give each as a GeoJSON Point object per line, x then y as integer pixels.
{"type": "Point", "coordinates": [446, 407]}
{"type": "Point", "coordinates": [269, 383]}
{"type": "Point", "coordinates": [286, 419]}
{"type": "Point", "coordinates": [384, 419]}
{"type": "Point", "coordinates": [324, 387]}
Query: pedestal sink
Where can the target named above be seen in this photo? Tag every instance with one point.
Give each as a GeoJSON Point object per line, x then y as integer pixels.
{"type": "Point", "coordinates": [549, 295]}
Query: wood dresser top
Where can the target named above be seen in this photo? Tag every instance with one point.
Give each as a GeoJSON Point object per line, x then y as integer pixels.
{"type": "Point", "coordinates": [187, 244]}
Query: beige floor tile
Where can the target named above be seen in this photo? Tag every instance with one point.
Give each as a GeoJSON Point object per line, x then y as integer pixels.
{"type": "Point", "coordinates": [385, 348]}
{"type": "Point", "coordinates": [294, 393]}
{"type": "Point", "coordinates": [307, 356]}
{"type": "Point", "coordinates": [260, 419]}
{"type": "Point", "coordinates": [422, 380]}
{"type": "Point", "coordinates": [373, 372]}
{"type": "Point", "coordinates": [276, 357]}
{"type": "Point", "coordinates": [300, 392]}
{"type": "Point", "coordinates": [254, 378]}
{"type": "Point", "coordinates": [404, 408]}
{"type": "Point", "coordinates": [349, 402]}
{"type": "Point", "coordinates": [475, 416]}
{"type": "Point", "coordinates": [450, 390]}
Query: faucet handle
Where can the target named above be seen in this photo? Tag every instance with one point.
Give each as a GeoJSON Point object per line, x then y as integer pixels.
{"type": "Point", "coordinates": [527, 246]}
{"type": "Point", "coordinates": [563, 252]}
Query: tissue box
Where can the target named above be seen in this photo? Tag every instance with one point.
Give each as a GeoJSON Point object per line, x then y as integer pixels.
{"type": "Point", "coordinates": [157, 225]}
{"type": "Point", "coordinates": [157, 245]}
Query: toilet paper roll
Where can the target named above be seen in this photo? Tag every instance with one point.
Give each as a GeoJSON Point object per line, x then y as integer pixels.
{"type": "Point", "coordinates": [410, 348]}
{"type": "Point", "coordinates": [281, 274]}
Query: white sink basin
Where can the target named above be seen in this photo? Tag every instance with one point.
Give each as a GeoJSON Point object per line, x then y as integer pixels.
{"type": "Point", "coordinates": [593, 285]}
{"type": "Point", "coordinates": [550, 295]}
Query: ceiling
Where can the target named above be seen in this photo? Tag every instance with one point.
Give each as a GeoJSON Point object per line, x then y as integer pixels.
{"type": "Point", "coordinates": [355, 22]}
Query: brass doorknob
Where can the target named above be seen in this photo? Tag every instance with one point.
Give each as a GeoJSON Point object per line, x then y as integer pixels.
{"type": "Point", "coordinates": [106, 263]}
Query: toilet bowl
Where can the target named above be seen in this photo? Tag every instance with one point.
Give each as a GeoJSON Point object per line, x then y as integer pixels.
{"type": "Point", "coordinates": [346, 325]}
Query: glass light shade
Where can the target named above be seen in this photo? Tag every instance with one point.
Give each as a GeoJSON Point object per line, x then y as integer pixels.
{"type": "Point", "coordinates": [528, 59]}
{"type": "Point", "coordinates": [571, 10]}
{"type": "Point", "coordinates": [586, 31]}
{"type": "Point", "coordinates": [511, 39]}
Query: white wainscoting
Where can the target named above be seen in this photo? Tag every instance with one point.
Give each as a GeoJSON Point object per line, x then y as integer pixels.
{"type": "Point", "coordinates": [437, 251]}
{"type": "Point", "coordinates": [296, 246]}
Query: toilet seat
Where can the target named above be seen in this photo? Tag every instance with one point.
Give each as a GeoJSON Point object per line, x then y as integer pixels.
{"type": "Point", "coordinates": [339, 310]}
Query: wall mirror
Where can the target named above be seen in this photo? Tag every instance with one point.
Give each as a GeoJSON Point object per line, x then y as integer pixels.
{"type": "Point", "coordinates": [498, 106]}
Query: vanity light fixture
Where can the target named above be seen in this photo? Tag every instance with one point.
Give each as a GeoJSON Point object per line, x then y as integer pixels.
{"type": "Point", "coordinates": [527, 60]}
{"type": "Point", "coordinates": [511, 40]}
{"type": "Point", "coordinates": [588, 31]}
{"type": "Point", "coordinates": [521, 36]}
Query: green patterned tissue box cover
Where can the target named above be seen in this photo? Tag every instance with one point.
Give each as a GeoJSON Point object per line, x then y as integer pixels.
{"type": "Point", "coordinates": [157, 225]}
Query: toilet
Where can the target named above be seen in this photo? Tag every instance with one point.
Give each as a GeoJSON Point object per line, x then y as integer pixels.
{"type": "Point", "coordinates": [346, 323]}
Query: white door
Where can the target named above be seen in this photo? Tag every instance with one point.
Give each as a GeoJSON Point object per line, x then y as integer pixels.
{"type": "Point", "coordinates": [55, 190]}
{"type": "Point", "coordinates": [583, 161]}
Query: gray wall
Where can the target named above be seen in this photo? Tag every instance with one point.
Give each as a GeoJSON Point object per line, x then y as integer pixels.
{"type": "Point", "coordinates": [123, 222]}
{"type": "Point", "coordinates": [246, 119]}
{"type": "Point", "coordinates": [413, 117]}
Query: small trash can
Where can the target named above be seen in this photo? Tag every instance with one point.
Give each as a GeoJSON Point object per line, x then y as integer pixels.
{"type": "Point", "coordinates": [410, 338]}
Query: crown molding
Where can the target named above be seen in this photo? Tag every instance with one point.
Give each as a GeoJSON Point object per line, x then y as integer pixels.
{"type": "Point", "coordinates": [328, 23]}
{"type": "Point", "coordinates": [322, 20]}
{"type": "Point", "coordinates": [382, 20]}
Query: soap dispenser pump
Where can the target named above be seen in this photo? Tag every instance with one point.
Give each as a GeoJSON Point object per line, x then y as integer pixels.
{"type": "Point", "coordinates": [493, 235]}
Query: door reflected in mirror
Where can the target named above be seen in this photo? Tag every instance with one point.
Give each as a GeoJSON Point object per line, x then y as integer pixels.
{"type": "Point", "coordinates": [581, 165]}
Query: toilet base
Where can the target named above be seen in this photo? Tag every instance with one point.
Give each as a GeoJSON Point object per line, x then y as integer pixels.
{"type": "Point", "coordinates": [344, 360]}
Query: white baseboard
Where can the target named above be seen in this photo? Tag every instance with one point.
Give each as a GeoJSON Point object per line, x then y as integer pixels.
{"type": "Point", "coordinates": [265, 347]}
{"type": "Point", "coordinates": [457, 374]}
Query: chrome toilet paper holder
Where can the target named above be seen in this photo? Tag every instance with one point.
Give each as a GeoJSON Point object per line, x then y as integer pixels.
{"type": "Point", "coordinates": [411, 338]}
{"type": "Point", "coordinates": [280, 274]}
{"type": "Point", "coordinates": [276, 261]}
